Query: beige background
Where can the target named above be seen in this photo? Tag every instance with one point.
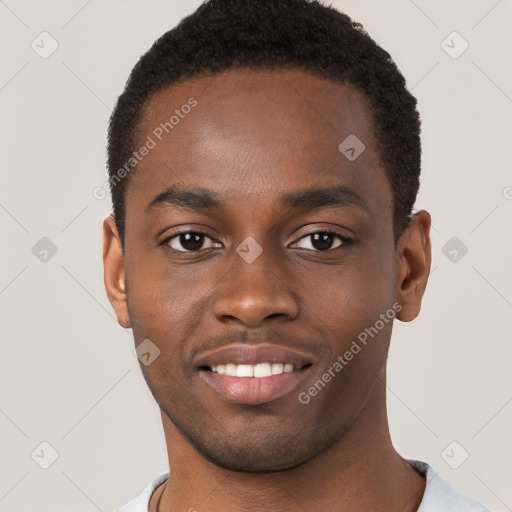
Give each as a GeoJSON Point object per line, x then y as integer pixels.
{"type": "Point", "coordinates": [67, 373]}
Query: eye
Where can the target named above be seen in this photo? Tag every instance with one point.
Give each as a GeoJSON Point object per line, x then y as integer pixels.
{"type": "Point", "coordinates": [190, 241]}
{"type": "Point", "coordinates": [323, 241]}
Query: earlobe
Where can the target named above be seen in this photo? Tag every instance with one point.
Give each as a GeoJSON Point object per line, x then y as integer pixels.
{"type": "Point", "coordinates": [414, 256]}
{"type": "Point", "coordinates": [113, 271]}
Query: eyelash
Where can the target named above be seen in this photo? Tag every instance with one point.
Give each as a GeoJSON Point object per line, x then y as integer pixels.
{"type": "Point", "coordinates": [345, 241]}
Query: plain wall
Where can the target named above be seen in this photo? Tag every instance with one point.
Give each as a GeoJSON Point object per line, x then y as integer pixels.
{"type": "Point", "coordinates": [67, 372]}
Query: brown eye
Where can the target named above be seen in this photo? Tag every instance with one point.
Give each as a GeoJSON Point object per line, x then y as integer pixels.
{"type": "Point", "coordinates": [323, 241]}
{"type": "Point", "coordinates": [190, 241]}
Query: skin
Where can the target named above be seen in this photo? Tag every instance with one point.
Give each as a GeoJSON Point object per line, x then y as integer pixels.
{"type": "Point", "coordinates": [254, 136]}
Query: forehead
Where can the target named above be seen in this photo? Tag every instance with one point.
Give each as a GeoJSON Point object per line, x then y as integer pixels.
{"type": "Point", "coordinates": [255, 132]}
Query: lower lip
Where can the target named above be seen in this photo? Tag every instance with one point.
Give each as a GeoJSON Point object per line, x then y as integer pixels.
{"type": "Point", "coordinates": [253, 390]}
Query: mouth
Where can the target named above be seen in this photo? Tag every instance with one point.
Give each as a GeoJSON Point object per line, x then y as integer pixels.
{"type": "Point", "coordinates": [257, 371]}
{"type": "Point", "coordinates": [248, 374]}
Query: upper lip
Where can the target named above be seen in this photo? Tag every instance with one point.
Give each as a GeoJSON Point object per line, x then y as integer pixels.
{"type": "Point", "coordinates": [254, 354]}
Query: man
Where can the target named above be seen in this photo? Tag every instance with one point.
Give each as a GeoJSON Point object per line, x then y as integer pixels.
{"type": "Point", "coordinates": [264, 161]}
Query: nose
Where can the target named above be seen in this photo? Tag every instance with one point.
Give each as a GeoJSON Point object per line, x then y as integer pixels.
{"type": "Point", "coordinates": [252, 292]}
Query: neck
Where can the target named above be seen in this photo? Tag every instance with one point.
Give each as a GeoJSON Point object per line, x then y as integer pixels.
{"type": "Point", "coordinates": [361, 471]}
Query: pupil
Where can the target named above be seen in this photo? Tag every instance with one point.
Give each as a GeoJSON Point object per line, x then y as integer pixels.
{"type": "Point", "coordinates": [322, 241]}
{"type": "Point", "coordinates": [191, 241]}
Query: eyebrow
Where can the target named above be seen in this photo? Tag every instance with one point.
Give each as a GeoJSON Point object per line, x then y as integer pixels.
{"type": "Point", "coordinates": [315, 198]}
{"type": "Point", "coordinates": [194, 199]}
{"type": "Point", "coordinates": [311, 198]}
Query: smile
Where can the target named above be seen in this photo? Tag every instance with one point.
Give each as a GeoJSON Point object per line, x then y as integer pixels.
{"type": "Point", "coordinates": [248, 374]}
{"type": "Point", "coordinates": [257, 370]}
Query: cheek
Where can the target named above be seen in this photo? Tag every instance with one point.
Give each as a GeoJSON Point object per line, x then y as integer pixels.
{"type": "Point", "coordinates": [358, 288]}
{"type": "Point", "coordinates": [348, 301]}
{"type": "Point", "coordinates": [167, 308]}
{"type": "Point", "coordinates": [156, 291]}
{"type": "Point", "coordinates": [354, 337]}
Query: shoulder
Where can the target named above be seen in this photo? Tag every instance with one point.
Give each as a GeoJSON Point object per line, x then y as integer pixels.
{"type": "Point", "coordinates": [141, 502]}
{"type": "Point", "coordinates": [440, 497]}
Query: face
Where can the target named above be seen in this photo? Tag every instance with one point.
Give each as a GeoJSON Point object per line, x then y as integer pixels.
{"type": "Point", "coordinates": [256, 254]}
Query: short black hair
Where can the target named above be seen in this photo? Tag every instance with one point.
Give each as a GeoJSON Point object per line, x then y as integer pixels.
{"type": "Point", "coordinates": [275, 34]}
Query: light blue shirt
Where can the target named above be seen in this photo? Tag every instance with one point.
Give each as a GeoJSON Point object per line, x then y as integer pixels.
{"type": "Point", "coordinates": [438, 495]}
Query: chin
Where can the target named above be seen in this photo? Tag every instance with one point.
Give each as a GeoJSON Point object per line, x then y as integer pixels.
{"type": "Point", "coordinates": [250, 461]}
{"type": "Point", "coordinates": [253, 450]}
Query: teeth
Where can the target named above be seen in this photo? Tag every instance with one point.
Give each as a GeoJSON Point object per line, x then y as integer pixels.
{"type": "Point", "coordinates": [256, 370]}
{"type": "Point", "coordinates": [277, 368]}
{"type": "Point", "coordinates": [230, 370]}
{"type": "Point", "coordinates": [244, 370]}
{"type": "Point", "coordinates": [263, 370]}
{"type": "Point", "coordinates": [288, 368]}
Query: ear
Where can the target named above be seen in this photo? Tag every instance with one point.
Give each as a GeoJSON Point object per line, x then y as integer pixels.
{"type": "Point", "coordinates": [113, 271]}
{"type": "Point", "coordinates": [414, 256]}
